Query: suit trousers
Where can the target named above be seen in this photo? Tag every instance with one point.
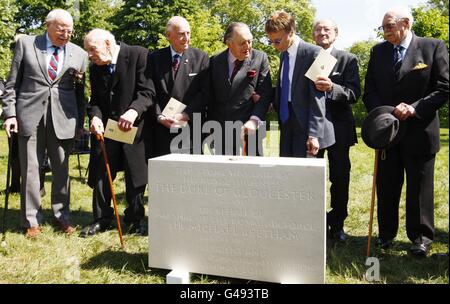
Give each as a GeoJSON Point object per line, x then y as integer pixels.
{"type": "Point", "coordinates": [339, 174]}
{"type": "Point", "coordinates": [101, 196]}
{"type": "Point", "coordinates": [419, 171]}
{"type": "Point", "coordinates": [32, 154]}
{"type": "Point", "coordinates": [292, 137]}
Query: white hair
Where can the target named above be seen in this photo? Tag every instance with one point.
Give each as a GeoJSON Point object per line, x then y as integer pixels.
{"type": "Point", "coordinates": [58, 14]}
{"type": "Point", "coordinates": [100, 34]}
{"type": "Point", "coordinates": [402, 12]}
{"type": "Point", "coordinates": [176, 21]}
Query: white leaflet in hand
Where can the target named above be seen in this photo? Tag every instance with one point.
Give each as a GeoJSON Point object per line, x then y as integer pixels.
{"type": "Point", "coordinates": [322, 66]}
{"type": "Point", "coordinates": [173, 107]}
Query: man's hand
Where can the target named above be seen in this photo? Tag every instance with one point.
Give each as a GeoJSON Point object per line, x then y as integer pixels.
{"type": "Point", "coordinates": [255, 97]}
{"type": "Point", "coordinates": [10, 125]}
{"type": "Point", "coordinates": [166, 121]}
{"type": "Point", "coordinates": [97, 126]}
{"type": "Point", "coordinates": [126, 120]}
{"type": "Point", "coordinates": [181, 117]}
{"type": "Point", "coordinates": [312, 146]}
{"type": "Point", "coordinates": [324, 84]}
{"type": "Point", "coordinates": [403, 111]}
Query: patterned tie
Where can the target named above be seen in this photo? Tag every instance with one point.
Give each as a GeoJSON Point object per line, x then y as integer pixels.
{"type": "Point", "coordinates": [53, 65]}
{"type": "Point", "coordinates": [398, 58]}
{"type": "Point", "coordinates": [175, 63]}
{"type": "Point", "coordinates": [284, 98]}
{"type": "Point", "coordinates": [237, 66]}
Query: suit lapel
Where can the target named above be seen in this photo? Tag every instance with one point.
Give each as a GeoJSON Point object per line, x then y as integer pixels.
{"type": "Point", "coordinates": [40, 47]}
{"type": "Point", "coordinates": [182, 74]}
{"type": "Point", "coordinates": [241, 74]}
{"type": "Point", "coordinates": [409, 59]}
{"type": "Point", "coordinates": [221, 71]}
{"type": "Point", "coordinates": [121, 65]}
{"type": "Point", "coordinates": [67, 60]}
{"type": "Point", "coordinates": [299, 67]}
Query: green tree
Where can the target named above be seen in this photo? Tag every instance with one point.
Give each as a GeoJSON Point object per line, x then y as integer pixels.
{"type": "Point", "coordinates": [7, 32]}
{"type": "Point", "coordinates": [361, 50]}
{"type": "Point", "coordinates": [87, 14]}
{"type": "Point", "coordinates": [432, 21]}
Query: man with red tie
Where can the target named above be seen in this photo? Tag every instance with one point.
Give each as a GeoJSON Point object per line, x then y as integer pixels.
{"type": "Point", "coordinates": [44, 103]}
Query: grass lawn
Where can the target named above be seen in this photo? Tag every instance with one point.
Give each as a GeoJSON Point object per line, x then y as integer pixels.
{"type": "Point", "coordinates": [56, 258]}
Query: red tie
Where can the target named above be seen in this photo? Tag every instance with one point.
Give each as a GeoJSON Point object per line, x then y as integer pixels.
{"type": "Point", "coordinates": [53, 65]}
{"type": "Point", "coordinates": [237, 66]}
{"type": "Point", "coordinates": [175, 63]}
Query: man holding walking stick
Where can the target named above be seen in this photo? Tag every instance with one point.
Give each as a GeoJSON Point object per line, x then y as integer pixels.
{"type": "Point", "coordinates": [410, 74]}
{"type": "Point", "coordinates": [120, 91]}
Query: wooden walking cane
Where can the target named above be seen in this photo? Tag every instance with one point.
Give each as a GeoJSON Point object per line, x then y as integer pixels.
{"type": "Point", "coordinates": [111, 186]}
{"type": "Point", "coordinates": [372, 202]}
{"type": "Point", "coordinates": [244, 148]}
{"type": "Point", "coordinates": [8, 181]}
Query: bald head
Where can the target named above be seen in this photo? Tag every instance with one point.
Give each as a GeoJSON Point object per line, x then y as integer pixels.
{"type": "Point", "coordinates": [100, 45]}
{"type": "Point", "coordinates": [59, 25]}
{"type": "Point", "coordinates": [178, 32]}
{"type": "Point", "coordinates": [396, 24]}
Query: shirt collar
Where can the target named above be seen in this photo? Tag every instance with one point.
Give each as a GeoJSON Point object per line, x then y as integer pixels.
{"type": "Point", "coordinates": [330, 49]}
{"type": "Point", "coordinates": [49, 42]}
{"type": "Point", "coordinates": [116, 54]}
{"type": "Point", "coordinates": [231, 58]}
{"type": "Point", "coordinates": [407, 41]}
{"type": "Point", "coordinates": [173, 52]}
{"type": "Point", "coordinates": [292, 50]}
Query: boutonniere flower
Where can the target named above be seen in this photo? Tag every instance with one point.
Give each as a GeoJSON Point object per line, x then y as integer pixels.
{"type": "Point", "coordinates": [77, 76]}
{"type": "Point", "coordinates": [251, 74]}
{"type": "Point", "coordinates": [420, 66]}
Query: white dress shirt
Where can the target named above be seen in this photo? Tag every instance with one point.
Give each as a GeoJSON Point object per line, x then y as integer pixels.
{"type": "Point", "coordinates": [292, 51]}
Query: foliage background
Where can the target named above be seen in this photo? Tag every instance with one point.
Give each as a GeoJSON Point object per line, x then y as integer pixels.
{"type": "Point", "coordinates": [142, 22]}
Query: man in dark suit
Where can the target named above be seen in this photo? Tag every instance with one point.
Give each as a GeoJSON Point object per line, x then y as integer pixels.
{"type": "Point", "coordinates": [44, 103]}
{"type": "Point", "coordinates": [120, 91]}
{"type": "Point", "coordinates": [411, 74]}
{"type": "Point", "coordinates": [178, 71]}
{"type": "Point", "coordinates": [342, 89]}
{"type": "Point", "coordinates": [304, 127]}
{"type": "Point", "coordinates": [240, 90]}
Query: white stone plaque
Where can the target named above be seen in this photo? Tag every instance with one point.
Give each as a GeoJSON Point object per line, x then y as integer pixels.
{"type": "Point", "coordinates": [257, 218]}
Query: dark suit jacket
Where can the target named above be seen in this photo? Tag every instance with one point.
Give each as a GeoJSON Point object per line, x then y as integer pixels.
{"type": "Point", "coordinates": [346, 91]}
{"type": "Point", "coordinates": [424, 86]}
{"type": "Point", "coordinates": [307, 103]}
{"type": "Point", "coordinates": [188, 87]}
{"type": "Point", "coordinates": [232, 101]}
{"type": "Point", "coordinates": [112, 96]}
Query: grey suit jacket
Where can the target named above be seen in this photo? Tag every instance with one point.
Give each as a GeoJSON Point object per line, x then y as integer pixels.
{"type": "Point", "coordinates": [307, 102]}
{"type": "Point", "coordinates": [232, 101]}
{"type": "Point", "coordinates": [29, 88]}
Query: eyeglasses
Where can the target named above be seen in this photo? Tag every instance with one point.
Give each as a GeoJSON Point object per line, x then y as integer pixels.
{"type": "Point", "coordinates": [68, 32]}
{"type": "Point", "coordinates": [275, 42]}
{"type": "Point", "coordinates": [389, 26]}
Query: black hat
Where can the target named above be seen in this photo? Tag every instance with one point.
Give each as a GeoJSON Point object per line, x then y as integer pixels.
{"type": "Point", "coordinates": [381, 129]}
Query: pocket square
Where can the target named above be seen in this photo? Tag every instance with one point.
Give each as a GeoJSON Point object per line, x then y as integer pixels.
{"type": "Point", "coordinates": [420, 66]}
{"type": "Point", "coordinates": [192, 74]}
{"type": "Point", "coordinates": [335, 73]}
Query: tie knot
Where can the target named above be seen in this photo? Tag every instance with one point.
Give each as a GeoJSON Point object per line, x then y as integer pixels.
{"type": "Point", "coordinates": [56, 49]}
{"type": "Point", "coordinates": [238, 63]}
{"type": "Point", "coordinates": [111, 68]}
{"type": "Point", "coordinates": [176, 58]}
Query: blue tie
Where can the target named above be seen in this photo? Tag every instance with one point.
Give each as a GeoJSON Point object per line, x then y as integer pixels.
{"type": "Point", "coordinates": [111, 68]}
{"type": "Point", "coordinates": [284, 110]}
{"type": "Point", "coordinates": [398, 58]}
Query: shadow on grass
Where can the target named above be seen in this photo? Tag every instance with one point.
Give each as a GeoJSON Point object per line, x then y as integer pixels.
{"type": "Point", "coordinates": [347, 261]}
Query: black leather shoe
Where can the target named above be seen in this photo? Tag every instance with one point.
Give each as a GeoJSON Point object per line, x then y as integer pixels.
{"type": "Point", "coordinates": [385, 243]}
{"type": "Point", "coordinates": [136, 228]}
{"type": "Point", "coordinates": [339, 235]}
{"type": "Point", "coordinates": [420, 249]}
{"type": "Point", "coordinates": [93, 229]}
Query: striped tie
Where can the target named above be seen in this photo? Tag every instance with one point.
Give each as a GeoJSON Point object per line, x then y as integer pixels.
{"type": "Point", "coordinates": [53, 65]}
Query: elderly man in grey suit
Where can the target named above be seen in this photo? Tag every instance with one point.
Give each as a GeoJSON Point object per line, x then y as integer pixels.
{"type": "Point", "coordinates": [240, 90]}
{"type": "Point", "coordinates": [44, 103]}
{"type": "Point", "coordinates": [304, 127]}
